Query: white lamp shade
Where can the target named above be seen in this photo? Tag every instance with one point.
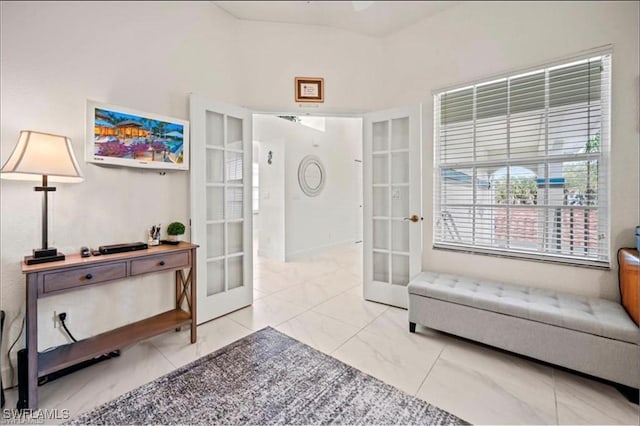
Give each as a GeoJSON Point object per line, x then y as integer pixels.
{"type": "Point", "coordinates": [37, 154]}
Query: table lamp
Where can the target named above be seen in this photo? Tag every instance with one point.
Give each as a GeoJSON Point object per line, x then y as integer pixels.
{"type": "Point", "coordinates": [50, 158]}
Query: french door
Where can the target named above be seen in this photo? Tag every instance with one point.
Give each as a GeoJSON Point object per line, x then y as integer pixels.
{"type": "Point", "coordinates": [221, 219]}
{"type": "Point", "coordinates": [392, 204]}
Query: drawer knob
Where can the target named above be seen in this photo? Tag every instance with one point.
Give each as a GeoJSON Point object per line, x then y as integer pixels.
{"type": "Point", "coordinates": [88, 276]}
{"type": "Point", "coordinates": [162, 263]}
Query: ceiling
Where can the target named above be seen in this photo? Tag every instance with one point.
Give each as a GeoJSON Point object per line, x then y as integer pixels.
{"type": "Point", "coordinates": [372, 18]}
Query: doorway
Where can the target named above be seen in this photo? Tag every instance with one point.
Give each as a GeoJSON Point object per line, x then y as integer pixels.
{"type": "Point", "coordinates": [307, 184]}
{"type": "Point", "coordinates": [309, 217]}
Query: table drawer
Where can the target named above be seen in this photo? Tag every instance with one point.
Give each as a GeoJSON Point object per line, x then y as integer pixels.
{"type": "Point", "coordinates": [55, 281]}
{"type": "Point", "coordinates": [159, 263]}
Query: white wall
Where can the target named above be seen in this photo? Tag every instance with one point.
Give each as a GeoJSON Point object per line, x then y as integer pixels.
{"type": "Point", "coordinates": [481, 39]}
{"type": "Point", "coordinates": [145, 56]}
{"type": "Point", "coordinates": [328, 219]}
{"type": "Point", "coordinates": [271, 219]}
{"type": "Point", "coordinates": [274, 54]}
{"type": "Point", "coordinates": [311, 223]}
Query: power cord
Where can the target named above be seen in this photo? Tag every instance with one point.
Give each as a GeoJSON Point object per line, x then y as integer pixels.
{"type": "Point", "coordinates": [41, 380]}
{"type": "Point", "coordinates": [24, 317]}
{"type": "Point", "coordinates": [62, 317]}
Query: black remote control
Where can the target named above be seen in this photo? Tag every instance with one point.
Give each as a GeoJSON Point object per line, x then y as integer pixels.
{"type": "Point", "coordinates": [96, 252]}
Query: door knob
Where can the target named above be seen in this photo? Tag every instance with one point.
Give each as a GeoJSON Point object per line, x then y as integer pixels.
{"type": "Point", "coordinates": [414, 218]}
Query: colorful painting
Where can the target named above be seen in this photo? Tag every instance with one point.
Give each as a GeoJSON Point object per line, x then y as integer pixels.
{"type": "Point", "coordinates": [120, 136]}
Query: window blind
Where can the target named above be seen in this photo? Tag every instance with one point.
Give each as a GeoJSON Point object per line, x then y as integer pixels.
{"type": "Point", "coordinates": [521, 165]}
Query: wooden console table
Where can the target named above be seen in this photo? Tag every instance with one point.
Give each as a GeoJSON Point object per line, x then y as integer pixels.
{"type": "Point", "coordinates": [76, 272]}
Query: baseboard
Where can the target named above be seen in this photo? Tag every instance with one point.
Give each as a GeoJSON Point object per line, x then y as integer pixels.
{"type": "Point", "coordinates": [301, 254]}
{"type": "Point", "coordinates": [269, 254]}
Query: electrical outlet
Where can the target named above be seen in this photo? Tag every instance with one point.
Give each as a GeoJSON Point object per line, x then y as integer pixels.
{"type": "Point", "coordinates": [56, 320]}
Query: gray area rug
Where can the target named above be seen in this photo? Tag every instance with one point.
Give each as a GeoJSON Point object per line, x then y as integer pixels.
{"type": "Point", "coordinates": [266, 378]}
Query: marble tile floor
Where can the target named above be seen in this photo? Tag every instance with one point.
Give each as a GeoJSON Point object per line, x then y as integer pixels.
{"type": "Point", "coordinates": [319, 302]}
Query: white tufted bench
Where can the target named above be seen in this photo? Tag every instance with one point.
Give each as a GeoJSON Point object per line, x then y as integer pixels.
{"type": "Point", "coordinates": [594, 336]}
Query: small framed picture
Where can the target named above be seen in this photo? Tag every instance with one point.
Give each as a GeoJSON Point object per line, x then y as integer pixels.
{"type": "Point", "coordinates": [309, 89]}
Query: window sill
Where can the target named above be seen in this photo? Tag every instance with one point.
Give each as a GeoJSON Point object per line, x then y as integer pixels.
{"type": "Point", "coordinates": [525, 256]}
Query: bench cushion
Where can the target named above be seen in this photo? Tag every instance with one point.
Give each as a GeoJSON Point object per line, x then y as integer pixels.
{"type": "Point", "coordinates": [589, 315]}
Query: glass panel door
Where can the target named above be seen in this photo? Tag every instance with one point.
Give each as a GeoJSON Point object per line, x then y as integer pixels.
{"type": "Point", "coordinates": [393, 232]}
{"type": "Point", "coordinates": [221, 206]}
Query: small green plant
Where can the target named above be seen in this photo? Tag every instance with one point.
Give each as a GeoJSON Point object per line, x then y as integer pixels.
{"type": "Point", "coordinates": [175, 228]}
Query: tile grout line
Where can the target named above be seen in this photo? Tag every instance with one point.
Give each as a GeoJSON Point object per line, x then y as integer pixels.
{"type": "Point", "coordinates": [289, 289]}
{"type": "Point", "coordinates": [430, 369]}
{"type": "Point", "coordinates": [352, 325]}
{"type": "Point", "coordinates": [277, 291]}
{"type": "Point", "coordinates": [295, 316]}
{"type": "Point", "coordinates": [298, 284]}
{"type": "Point", "coordinates": [163, 355]}
{"type": "Point", "coordinates": [357, 332]}
{"type": "Point", "coordinates": [310, 309]}
{"type": "Point", "coordinates": [306, 309]}
{"type": "Point", "coordinates": [317, 304]}
{"type": "Point", "coordinates": [241, 325]}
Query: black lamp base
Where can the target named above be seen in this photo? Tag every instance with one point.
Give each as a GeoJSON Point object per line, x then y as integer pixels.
{"type": "Point", "coordinates": [45, 252]}
{"type": "Point", "coordinates": [50, 254]}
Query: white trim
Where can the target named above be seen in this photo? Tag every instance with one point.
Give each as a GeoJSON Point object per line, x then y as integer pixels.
{"type": "Point", "coordinates": [521, 72]}
{"type": "Point", "coordinates": [271, 254]}
{"type": "Point", "coordinates": [510, 254]}
{"type": "Point", "coordinates": [355, 114]}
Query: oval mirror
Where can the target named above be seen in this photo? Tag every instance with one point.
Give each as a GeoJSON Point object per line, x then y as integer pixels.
{"type": "Point", "coordinates": [311, 175]}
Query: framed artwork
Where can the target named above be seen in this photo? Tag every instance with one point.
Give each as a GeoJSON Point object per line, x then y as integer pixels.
{"type": "Point", "coordinates": [120, 136]}
{"type": "Point", "coordinates": [309, 89]}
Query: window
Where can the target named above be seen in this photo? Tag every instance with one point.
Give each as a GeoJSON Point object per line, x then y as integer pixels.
{"type": "Point", "coordinates": [521, 165]}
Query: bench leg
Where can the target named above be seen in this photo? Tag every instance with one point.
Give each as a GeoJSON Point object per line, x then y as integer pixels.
{"type": "Point", "coordinates": [412, 327]}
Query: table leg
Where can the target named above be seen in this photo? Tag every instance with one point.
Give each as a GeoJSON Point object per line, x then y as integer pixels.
{"type": "Point", "coordinates": [194, 303]}
{"type": "Point", "coordinates": [178, 292]}
{"type": "Point", "coordinates": [32, 341]}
